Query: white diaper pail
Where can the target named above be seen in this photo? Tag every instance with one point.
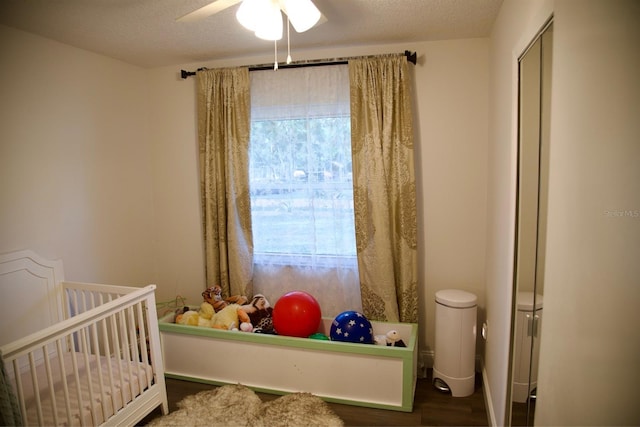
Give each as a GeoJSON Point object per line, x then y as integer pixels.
{"type": "Point", "coordinates": [455, 346]}
{"type": "Point", "coordinates": [526, 346]}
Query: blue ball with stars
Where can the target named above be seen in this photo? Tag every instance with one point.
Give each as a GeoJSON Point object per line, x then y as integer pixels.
{"type": "Point", "coordinates": [351, 326]}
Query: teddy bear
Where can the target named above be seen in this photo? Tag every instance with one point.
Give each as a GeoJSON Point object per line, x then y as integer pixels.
{"type": "Point", "coordinates": [185, 316]}
{"type": "Point", "coordinates": [213, 295]}
{"type": "Point", "coordinates": [202, 317]}
{"type": "Point", "coordinates": [260, 314]}
{"type": "Point", "coordinates": [231, 317]}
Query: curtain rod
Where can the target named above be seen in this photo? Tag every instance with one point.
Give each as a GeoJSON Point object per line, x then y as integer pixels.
{"type": "Point", "coordinates": [411, 57]}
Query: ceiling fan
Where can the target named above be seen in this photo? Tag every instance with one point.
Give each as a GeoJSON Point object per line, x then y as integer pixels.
{"type": "Point", "coordinates": [264, 17]}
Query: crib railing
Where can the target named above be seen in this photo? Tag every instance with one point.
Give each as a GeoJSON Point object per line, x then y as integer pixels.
{"type": "Point", "coordinates": [90, 367]}
{"type": "Point", "coordinates": [83, 297]}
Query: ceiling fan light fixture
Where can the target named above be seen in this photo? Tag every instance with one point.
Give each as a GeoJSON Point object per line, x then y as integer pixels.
{"type": "Point", "coordinates": [263, 17]}
{"type": "Point", "coordinates": [247, 15]}
{"type": "Point", "coordinates": [303, 14]}
{"type": "Point", "coordinates": [270, 26]}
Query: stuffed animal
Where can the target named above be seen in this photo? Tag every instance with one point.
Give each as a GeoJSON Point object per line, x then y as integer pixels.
{"type": "Point", "coordinates": [187, 317]}
{"type": "Point", "coordinates": [260, 314]}
{"type": "Point", "coordinates": [380, 340]}
{"type": "Point", "coordinates": [202, 317]}
{"type": "Point", "coordinates": [205, 314]}
{"type": "Point", "coordinates": [213, 296]}
{"type": "Point", "coordinates": [394, 340]}
{"type": "Point", "coordinates": [232, 317]}
{"type": "Point", "coordinates": [179, 312]}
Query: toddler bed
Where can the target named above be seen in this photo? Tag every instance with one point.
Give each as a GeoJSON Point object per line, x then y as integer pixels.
{"type": "Point", "coordinates": [76, 353]}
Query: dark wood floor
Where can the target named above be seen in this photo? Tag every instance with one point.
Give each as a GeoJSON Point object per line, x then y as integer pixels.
{"type": "Point", "coordinates": [522, 414]}
{"type": "Point", "coordinates": [431, 407]}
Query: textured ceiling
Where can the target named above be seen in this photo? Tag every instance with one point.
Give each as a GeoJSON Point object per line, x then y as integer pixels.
{"type": "Point", "coordinates": [146, 33]}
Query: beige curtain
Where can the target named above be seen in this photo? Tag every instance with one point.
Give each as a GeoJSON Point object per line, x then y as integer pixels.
{"type": "Point", "coordinates": [223, 135]}
{"type": "Point", "coordinates": [384, 187]}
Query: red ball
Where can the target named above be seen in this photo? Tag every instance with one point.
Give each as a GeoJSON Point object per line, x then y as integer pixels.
{"type": "Point", "coordinates": [296, 314]}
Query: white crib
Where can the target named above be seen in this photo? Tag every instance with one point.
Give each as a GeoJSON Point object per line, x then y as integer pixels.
{"type": "Point", "coordinates": [77, 353]}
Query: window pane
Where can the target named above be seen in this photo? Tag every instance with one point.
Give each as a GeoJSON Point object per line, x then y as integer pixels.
{"type": "Point", "coordinates": [300, 166]}
{"type": "Point", "coordinates": [301, 190]}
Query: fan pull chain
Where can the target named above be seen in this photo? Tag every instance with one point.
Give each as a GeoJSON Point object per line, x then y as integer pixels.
{"type": "Point", "coordinates": [288, 42]}
{"type": "Point", "coordinates": [275, 54]}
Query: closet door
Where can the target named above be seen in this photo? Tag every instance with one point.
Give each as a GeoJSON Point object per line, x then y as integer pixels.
{"type": "Point", "coordinates": [533, 165]}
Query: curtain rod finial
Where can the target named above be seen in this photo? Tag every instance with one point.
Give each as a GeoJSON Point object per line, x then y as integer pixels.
{"type": "Point", "coordinates": [411, 56]}
{"type": "Point", "coordinates": [184, 74]}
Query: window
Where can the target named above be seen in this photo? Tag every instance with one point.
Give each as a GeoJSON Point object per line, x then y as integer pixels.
{"type": "Point", "coordinates": [300, 166]}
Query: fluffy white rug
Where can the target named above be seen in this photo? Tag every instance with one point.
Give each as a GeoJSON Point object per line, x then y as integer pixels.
{"type": "Point", "coordinates": [237, 405]}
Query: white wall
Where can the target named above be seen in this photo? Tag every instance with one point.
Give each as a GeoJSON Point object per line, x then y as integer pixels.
{"type": "Point", "coordinates": [516, 25]}
{"type": "Point", "coordinates": [75, 169]}
{"type": "Point", "coordinates": [452, 97]}
{"type": "Point", "coordinates": [590, 348]}
{"type": "Point", "coordinates": [588, 371]}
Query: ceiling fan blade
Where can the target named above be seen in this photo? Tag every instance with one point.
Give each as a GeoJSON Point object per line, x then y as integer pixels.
{"type": "Point", "coordinates": [322, 20]}
{"type": "Point", "coordinates": [208, 10]}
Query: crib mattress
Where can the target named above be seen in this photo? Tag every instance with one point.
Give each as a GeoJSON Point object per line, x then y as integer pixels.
{"type": "Point", "coordinates": [100, 389]}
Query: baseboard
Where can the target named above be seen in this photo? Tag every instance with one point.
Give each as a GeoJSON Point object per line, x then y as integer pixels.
{"type": "Point", "coordinates": [488, 401]}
